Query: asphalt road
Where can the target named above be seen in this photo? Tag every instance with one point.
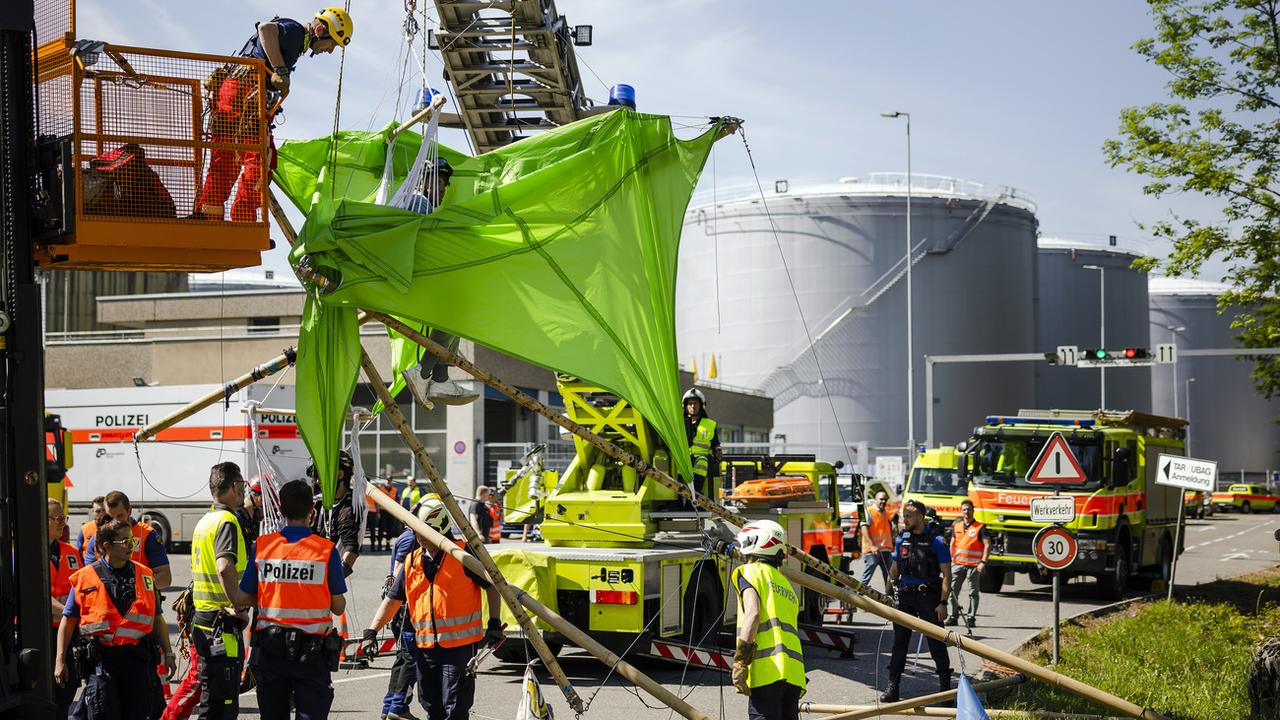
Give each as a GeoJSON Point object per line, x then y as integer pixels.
{"type": "Point", "coordinates": [1219, 547]}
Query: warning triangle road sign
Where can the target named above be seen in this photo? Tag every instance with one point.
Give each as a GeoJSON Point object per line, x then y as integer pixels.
{"type": "Point", "coordinates": [1056, 463]}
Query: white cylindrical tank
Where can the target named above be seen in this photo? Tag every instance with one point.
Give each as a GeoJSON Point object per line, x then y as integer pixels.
{"type": "Point", "coordinates": [1069, 312]}
{"type": "Point", "coordinates": [1229, 421]}
{"type": "Point", "coordinates": [842, 292]}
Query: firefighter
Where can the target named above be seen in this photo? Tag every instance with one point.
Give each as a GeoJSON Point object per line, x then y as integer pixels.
{"type": "Point", "coordinates": [147, 548]}
{"type": "Point", "coordinates": [339, 523]}
{"type": "Point", "coordinates": [114, 606]}
{"type": "Point", "coordinates": [219, 555]}
{"type": "Point", "coordinates": [877, 540]}
{"type": "Point", "coordinates": [252, 513]}
{"type": "Point", "coordinates": [279, 43]}
{"type": "Point", "coordinates": [64, 561]}
{"type": "Point", "coordinates": [89, 529]}
{"type": "Point", "coordinates": [444, 610]}
{"type": "Point", "coordinates": [485, 517]}
{"type": "Point", "coordinates": [969, 552]}
{"type": "Point", "coordinates": [297, 583]}
{"type": "Point", "coordinates": [768, 661]}
{"type": "Point", "coordinates": [404, 668]}
{"type": "Point", "coordinates": [704, 441]}
{"type": "Point", "coordinates": [921, 571]}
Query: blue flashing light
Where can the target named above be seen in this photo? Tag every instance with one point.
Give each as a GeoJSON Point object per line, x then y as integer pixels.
{"type": "Point", "coordinates": [1065, 422]}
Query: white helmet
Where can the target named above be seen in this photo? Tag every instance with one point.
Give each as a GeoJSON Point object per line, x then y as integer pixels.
{"type": "Point", "coordinates": [762, 538]}
{"type": "Point", "coordinates": [432, 512]}
{"type": "Point", "coordinates": [694, 394]}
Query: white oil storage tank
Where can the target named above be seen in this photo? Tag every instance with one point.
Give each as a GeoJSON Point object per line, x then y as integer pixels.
{"type": "Point", "coordinates": [1229, 421]}
{"type": "Point", "coordinates": [825, 332]}
{"type": "Point", "coordinates": [1074, 276]}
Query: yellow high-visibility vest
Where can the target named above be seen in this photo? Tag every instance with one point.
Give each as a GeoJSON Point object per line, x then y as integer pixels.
{"type": "Point", "coordinates": [207, 590]}
{"type": "Point", "coordinates": [779, 655]}
{"type": "Point", "coordinates": [700, 448]}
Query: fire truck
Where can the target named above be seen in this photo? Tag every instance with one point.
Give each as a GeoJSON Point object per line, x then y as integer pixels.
{"type": "Point", "coordinates": [934, 482]}
{"type": "Point", "coordinates": [1125, 523]}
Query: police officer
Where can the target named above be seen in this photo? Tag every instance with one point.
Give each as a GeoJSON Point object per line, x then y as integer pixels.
{"type": "Point", "coordinates": [147, 548]}
{"type": "Point", "coordinates": [219, 554]}
{"type": "Point", "coordinates": [921, 571]}
{"type": "Point", "coordinates": [444, 610]}
{"type": "Point", "coordinates": [704, 441]}
{"type": "Point", "coordinates": [297, 583]}
{"type": "Point", "coordinates": [64, 561]}
{"type": "Point", "coordinates": [768, 662]}
{"type": "Point", "coordinates": [969, 553]}
{"type": "Point", "coordinates": [89, 529]}
{"type": "Point", "coordinates": [114, 606]}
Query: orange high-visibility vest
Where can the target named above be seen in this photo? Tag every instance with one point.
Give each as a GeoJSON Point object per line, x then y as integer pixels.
{"type": "Point", "coordinates": [878, 527]}
{"type": "Point", "coordinates": [69, 561]}
{"type": "Point", "coordinates": [445, 611]}
{"type": "Point", "coordinates": [99, 618]}
{"type": "Point", "coordinates": [495, 530]}
{"type": "Point", "coordinates": [140, 531]}
{"type": "Point", "coordinates": [966, 544]}
{"type": "Point", "coordinates": [89, 531]}
{"type": "Point", "coordinates": [293, 583]}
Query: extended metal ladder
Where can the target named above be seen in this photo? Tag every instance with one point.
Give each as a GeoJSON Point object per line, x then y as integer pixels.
{"type": "Point", "coordinates": [512, 67]}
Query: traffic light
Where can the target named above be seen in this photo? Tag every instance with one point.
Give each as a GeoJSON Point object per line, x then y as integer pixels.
{"type": "Point", "coordinates": [1137, 354]}
{"type": "Point", "coordinates": [1095, 354]}
{"type": "Point", "coordinates": [1094, 357]}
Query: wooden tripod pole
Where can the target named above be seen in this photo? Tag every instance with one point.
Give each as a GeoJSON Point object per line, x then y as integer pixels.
{"type": "Point", "coordinates": [438, 484]}
{"type": "Point", "coordinates": [548, 616]}
{"type": "Point", "coordinates": [861, 712]}
{"type": "Point", "coordinates": [617, 453]}
{"type": "Point", "coordinates": [873, 711]}
{"type": "Point", "coordinates": [1026, 667]}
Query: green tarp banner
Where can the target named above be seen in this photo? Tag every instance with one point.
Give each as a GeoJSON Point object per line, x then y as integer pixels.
{"type": "Point", "coordinates": [560, 250]}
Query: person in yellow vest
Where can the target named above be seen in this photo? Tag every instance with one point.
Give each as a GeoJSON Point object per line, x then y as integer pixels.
{"type": "Point", "coordinates": [768, 661]}
{"type": "Point", "coordinates": [113, 605]}
{"type": "Point", "coordinates": [969, 552]}
{"type": "Point", "coordinates": [297, 583]}
{"type": "Point", "coordinates": [219, 555]}
{"type": "Point", "coordinates": [64, 561]}
{"type": "Point", "coordinates": [89, 529]}
{"type": "Point", "coordinates": [444, 608]}
{"type": "Point", "coordinates": [877, 540]}
{"type": "Point", "coordinates": [704, 441]}
{"type": "Point", "coordinates": [147, 548]}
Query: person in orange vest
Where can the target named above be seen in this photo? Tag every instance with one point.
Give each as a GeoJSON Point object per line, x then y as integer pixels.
{"type": "Point", "coordinates": [443, 598]}
{"type": "Point", "coordinates": [296, 580]}
{"type": "Point", "coordinates": [877, 540]}
{"type": "Point", "coordinates": [147, 548]}
{"type": "Point", "coordinates": [114, 606]}
{"type": "Point", "coordinates": [969, 552]}
{"type": "Point", "coordinates": [64, 561]}
{"type": "Point", "coordinates": [89, 529]}
{"type": "Point", "coordinates": [484, 515]}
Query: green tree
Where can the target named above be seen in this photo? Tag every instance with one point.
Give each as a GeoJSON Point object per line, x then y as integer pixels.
{"type": "Point", "coordinates": [1217, 136]}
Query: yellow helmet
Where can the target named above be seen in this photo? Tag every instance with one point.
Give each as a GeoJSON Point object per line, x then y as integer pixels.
{"type": "Point", "coordinates": [338, 23]}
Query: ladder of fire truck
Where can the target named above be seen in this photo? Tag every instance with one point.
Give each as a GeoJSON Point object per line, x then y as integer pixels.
{"type": "Point", "coordinates": [512, 67]}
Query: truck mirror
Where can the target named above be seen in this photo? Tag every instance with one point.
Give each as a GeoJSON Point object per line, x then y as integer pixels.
{"type": "Point", "coordinates": [962, 466]}
{"type": "Point", "coordinates": [839, 464]}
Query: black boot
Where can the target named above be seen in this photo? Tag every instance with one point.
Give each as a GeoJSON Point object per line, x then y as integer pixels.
{"type": "Point", "coordinates": [944, 684]}
{"type": "Point", "coordinates": [891, 693]}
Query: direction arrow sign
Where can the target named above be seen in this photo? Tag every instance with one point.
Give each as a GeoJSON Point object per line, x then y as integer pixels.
{"type": "Point", "coordinates": [1054, 547]}
{"type": "Point", "coordinates": [1185, 472]}
{"type": "Point", "coordinates": [1056, 463]}
{"type": "Point", "coordinates": [1053, 509]}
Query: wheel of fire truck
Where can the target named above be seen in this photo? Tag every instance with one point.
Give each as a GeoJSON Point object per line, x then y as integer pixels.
{"type": "Point", "coordinates": [814, 602]}
{"type": "Point", "coordinates": [991, 580]}
{"type": "Point", "coordinates": [1039, 577]}
{"type": "Point", "coordinates": [518, 650]}
{"type": "Point", "coordinates": [1246, 507]}
{"type": "Point", "coordinates": [1113, 584]}
{"type": "Point", "coordinates": [703, 605]}
{"type": "Point", "coordinates": [1165, 568]}
{"type": "Point", "coordinates": [160, 524]}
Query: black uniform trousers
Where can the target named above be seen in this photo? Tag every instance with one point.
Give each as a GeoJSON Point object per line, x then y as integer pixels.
{"type": "Point", "coordinates": [447, 692]}
{"type": "Point", "coordinates": [219, 672]}
{"type": "Point", "coordinates": [775, 701]}
{"type": "Point", "coordinates": [923, 605]}
{"type": "Point", "coordinates": [124, 686]}
{"type": "Point", "coordinates": [285, 685]}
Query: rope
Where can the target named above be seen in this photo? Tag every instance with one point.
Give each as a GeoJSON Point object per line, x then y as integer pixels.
{"type": "Point", "coordinates": [337, 115]}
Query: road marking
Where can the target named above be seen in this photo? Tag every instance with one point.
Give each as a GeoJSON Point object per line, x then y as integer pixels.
{"type": "Point", "coordinates": [375, 676]}
{"type": "Point", "coordinates": [1236, 556]}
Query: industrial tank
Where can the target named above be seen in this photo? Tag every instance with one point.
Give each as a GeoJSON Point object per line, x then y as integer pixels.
{"type": "Point", "coordinates": [1069, 312]}
{"type": "Point", "coordinates": [1230, 422]}
{"type": "Point", "coordinates": [845, 246]}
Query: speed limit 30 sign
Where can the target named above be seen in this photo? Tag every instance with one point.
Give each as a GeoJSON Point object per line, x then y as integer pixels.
{"type": "Point", "coordinates": [1054, 547]}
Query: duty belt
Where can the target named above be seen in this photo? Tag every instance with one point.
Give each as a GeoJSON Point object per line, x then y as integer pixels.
{"type": "Point", "coordinates": [920, 588]}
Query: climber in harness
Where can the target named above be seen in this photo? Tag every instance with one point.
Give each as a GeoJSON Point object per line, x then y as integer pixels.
{"type": "Point", "coordinates": [278, 42]}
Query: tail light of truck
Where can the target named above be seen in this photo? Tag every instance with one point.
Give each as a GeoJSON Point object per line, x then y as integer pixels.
{"type": "Point", "coordinates": [614, 597]}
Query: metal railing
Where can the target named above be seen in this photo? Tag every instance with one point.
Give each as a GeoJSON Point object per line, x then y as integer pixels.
{"type": "Point", "coordinates": [888, 183]}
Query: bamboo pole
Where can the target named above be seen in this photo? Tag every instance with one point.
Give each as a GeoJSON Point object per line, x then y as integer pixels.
{"type": "Point", "coordinates": [548, 616]}
{"type": "Point", "coordinates": [1026, 667]}
{"type": "Point", "coordinates": [859, 712]}
{"type": "Point", "coordinates": [992, 713]}
{"type": "Point", "coordinates": [617, 453]}
{"type": "Point", "coordinates": [422, 115]}
{"type": "Point", "coordinates": [392, 410]}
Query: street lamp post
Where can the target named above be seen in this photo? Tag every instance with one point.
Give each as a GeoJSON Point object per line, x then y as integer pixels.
{"type": "Point", "coordinates": [1186, 440]}
{"type": "Point", "coordinates": [911, 405]}
{"type": "Point", "coordinates": [1175, 329]}
{"type": "Point", "coordinates": [1102, 328]}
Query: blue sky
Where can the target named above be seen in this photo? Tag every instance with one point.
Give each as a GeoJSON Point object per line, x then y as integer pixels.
{"type": "Point", "coordinates": [1007, 93]}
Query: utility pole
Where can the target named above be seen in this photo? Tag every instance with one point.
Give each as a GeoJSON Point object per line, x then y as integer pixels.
{"type": "Point", "coordinates": [1102, 328]}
